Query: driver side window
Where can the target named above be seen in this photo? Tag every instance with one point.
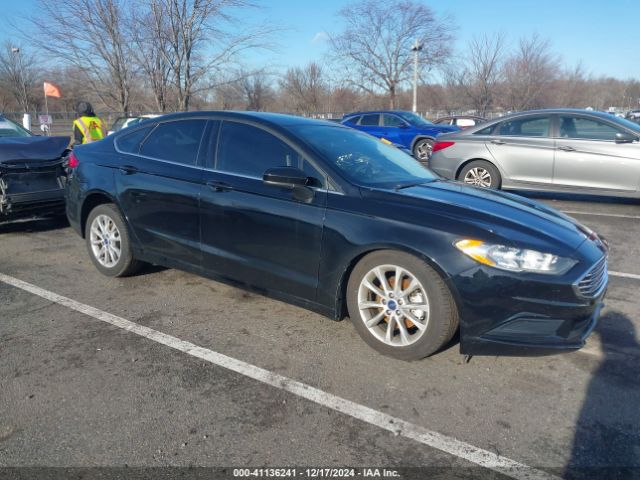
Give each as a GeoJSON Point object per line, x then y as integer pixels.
{"type": "Point", "coordinates": [250, 151]}
{"type": "Point", "coordinates": [392, 121]}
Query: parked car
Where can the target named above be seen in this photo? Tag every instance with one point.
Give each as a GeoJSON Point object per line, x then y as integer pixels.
{"type": "Point", "coordinates": [562, 150]}
{"type": "Point", "coordinates": [404, 129]}
{"type": "Point", "coordinates": [124, 122]}
{"type": "Point", "coordinates": [334, 220]}
{"type": "Point", "coordinates": [31, 172]}
{"type": "Point", "coordinates": [633, 115]}
{"type": "Point", "coordinates": [460, 121]}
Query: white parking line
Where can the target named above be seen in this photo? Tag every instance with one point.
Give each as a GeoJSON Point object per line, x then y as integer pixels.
{"type": "Point", "coordinates": [624, 275]}
{"type": "Point", "coordinates": [597, 214]}
{"type": "Point", "coordinates": [479, 456]}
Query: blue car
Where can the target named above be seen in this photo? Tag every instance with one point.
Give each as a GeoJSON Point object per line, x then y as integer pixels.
{"type": "Point", "coordinates": [406, 130]}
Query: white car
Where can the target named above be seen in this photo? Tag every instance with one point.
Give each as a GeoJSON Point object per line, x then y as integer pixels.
{"type": "Point", "coordinates": [124, 122]}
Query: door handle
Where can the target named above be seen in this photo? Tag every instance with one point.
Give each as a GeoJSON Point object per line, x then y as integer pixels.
{"type": "Point", "coordinates": [498, 142]}
{"type": "Point", "coordinates": [128, 170]}
{"type": "Point", "coordinates": [566, 148]}
{"type": "Point", "coordinates": [219, 186]}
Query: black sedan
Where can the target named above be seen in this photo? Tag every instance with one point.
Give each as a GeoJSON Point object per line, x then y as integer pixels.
{"type": "Point", "coordinates": [334, 220]}
{"type": "Point", "coordinates": [31, 172]}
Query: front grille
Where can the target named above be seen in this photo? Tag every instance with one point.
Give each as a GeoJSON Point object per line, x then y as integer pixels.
{"type": "Point", "coordinates": [594, 281]}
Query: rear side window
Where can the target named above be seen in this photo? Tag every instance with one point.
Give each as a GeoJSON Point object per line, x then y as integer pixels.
{"type": "Point", "coordinates": [250, 151]}
{"type": "Point", "coordinates": [485, 131]}
{"type": "Point", "coordinates": [370, 120]}
{"type": "Point", "coordinates": [525, 127]}
{"type": "Point", "coordinates": [177, 141]}
{"type": "Point", "coordinates": [130, 143]}
{"type": "Point", "coordinates": [352, 120]}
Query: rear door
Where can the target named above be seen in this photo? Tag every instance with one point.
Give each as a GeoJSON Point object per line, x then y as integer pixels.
{"type": "Point", "coordinates": [588, 157]}
{"type": "Point", "coordinates": [256, 233]}
{"type": "Point", "coordinates": [159, 184]}
{"type": "Point", "coordinates": [523, 149]}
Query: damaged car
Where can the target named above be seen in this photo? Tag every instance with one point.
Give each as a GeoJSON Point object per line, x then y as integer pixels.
{"type": "Point", "coordinates": [32, 172]}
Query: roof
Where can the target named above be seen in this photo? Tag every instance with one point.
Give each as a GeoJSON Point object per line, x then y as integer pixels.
{"type": "Point", "coordinates": [278, 119]}
{"type": "Point", "coordinates": [374, 112]}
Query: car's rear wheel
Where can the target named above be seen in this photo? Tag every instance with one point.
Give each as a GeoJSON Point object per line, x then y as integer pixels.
{"type": "Point", "coordinates": [108, 242]}
{"type": "Point", "coordinates": [480, 173]}
{"type": "Point", "coordinates": [423, 149]}
{"type": "Point", "coordinates": [400, 306]}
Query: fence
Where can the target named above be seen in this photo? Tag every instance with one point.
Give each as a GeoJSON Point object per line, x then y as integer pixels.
{"type": "Point", "coordinates": [62, 122]}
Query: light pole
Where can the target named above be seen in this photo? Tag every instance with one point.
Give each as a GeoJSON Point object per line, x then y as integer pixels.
{"type": "Point", "coordinates": [415, 49]}
{"type": "Point", "coordinates": [16, 51]}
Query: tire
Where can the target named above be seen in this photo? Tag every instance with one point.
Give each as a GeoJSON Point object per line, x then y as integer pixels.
{"type": "Point", "coordinates": [439, 320]}
{"type": "Point", "coordinates": [481, 173]}
{"type": "Point", "coordinates": [106, 231]}
{"type": "Point", "coordinates": [422, 150]}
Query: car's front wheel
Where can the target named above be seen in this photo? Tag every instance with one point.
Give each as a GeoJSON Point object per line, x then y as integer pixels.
{"type": "Point", "coordinates": [480, 173]}
{"type": "Point", "coordinates": [108, 242]}
{"type": "Point", "coordinates": [423, 149]}
{"type": "Point", "coordinates": [400, 306]}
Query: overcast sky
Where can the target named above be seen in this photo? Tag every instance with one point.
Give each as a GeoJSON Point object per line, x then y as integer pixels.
{"type": "Point", "coordinates": [603, 35]}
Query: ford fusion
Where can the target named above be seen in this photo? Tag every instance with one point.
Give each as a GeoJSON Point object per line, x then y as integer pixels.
{"type": "Point", "coordinates": [330, 218]}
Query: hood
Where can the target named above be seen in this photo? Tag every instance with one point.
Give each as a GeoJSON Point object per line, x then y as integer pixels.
{"type": "Point", "coordinates": [32, 148]}
{"type": "Point", "coordinates": [515, 219]}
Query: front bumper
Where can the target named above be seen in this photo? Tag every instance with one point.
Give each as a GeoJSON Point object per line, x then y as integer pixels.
{"type": "Point", "coordinates": [535, 334]}
{"type": "Point", "coordinates": [507, 314]}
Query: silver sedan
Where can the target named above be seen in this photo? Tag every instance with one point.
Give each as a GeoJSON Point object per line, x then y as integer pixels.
{"type": "Point", "coordinates": [563, 150]}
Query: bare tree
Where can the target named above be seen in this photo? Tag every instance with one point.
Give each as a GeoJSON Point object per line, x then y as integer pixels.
{"type": "Point", "coordinates": [91, 35]}
{"type": "Point", "coordinates": [152, 52]}
{"type": "Point", "coordinates": [305, 88]}
{"type": "Point", "coordinates": [529, 72]}
{"type": "Point", "coordinates": [18, 73]}
{"type": "Point", "coordinates": [375, 46]}
{"type": "Point", "coordinates": [480, 76]}
{"type": "Point", "coordinates": [196, 43]}
{"type": "Point", "coordinates": [257, 91]}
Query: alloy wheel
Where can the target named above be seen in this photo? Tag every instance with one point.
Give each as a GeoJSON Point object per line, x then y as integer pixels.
{"type": "Point", "coordinates": [478, 177]}
{"type": "Point", "coordinates": [424, 150]}
{"type": "Point", "coordinates": [393, 305]}
{"type": "Point", "coordinates": [106, 242]}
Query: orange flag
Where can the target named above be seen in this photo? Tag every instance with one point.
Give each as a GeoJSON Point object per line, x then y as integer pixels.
{"type": "Point", "coordinates": [51, 90]}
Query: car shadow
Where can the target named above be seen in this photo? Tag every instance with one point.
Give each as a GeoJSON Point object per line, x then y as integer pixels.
{"type": "Point", "coordinates": [34, 224]}
{"type": "Point", "coordinates": [606, 444]}
{"type": "Point", "coordinates": [149, 269]}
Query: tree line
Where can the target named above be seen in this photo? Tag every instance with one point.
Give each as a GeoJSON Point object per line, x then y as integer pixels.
{"type": "Point", "coordinates": [176, 55]}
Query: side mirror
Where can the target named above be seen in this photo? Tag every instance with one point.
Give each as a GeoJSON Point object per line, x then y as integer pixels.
{"type": "Point", "coordinates": [404, 125]}
{"type": "Point", "coordinates": [289, 177]}
{"type": "Point", "coordinates": [625, 137]}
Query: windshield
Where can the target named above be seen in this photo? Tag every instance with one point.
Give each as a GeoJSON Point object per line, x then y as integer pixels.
{"type": "Point", "coordinates": [414, 118]}
{"type": "Point", "coordinates": [364, 160]}
{"type": "Point", "coordinates": [10, 129]}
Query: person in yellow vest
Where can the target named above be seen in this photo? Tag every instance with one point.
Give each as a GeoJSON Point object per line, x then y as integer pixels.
{"type": "Point", "coordinates": [87, 127]}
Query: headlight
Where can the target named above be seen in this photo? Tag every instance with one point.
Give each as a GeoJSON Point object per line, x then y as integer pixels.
{"type": "Point", "coordinates": [515, 259]}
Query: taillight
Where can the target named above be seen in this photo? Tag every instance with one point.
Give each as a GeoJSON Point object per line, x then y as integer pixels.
{"type": "Point", "coordinates": [73, 160]}
{"type": "Point", "coordinates": [441, 146]}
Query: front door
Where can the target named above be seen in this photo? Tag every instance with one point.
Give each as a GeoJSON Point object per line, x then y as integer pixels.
{"type": "Point", "coordinates": [588, 157]}
{"type": "Point", "coordinates": [262, 235]}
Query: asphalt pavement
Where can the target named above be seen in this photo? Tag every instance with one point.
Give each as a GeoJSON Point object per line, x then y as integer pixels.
{"type": "Point", "coordinates": [133, 373]}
